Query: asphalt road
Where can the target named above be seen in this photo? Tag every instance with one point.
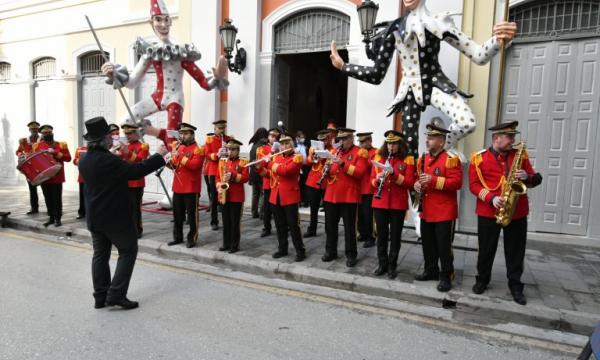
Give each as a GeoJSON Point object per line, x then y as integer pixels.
{"type": "Point", "coordinates": [46, 312]}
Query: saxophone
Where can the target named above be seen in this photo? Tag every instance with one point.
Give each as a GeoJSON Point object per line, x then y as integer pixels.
{"type": "Point", "coordinates": [512, 189]}
{"type": "Point", "coordinates": [224, 186]}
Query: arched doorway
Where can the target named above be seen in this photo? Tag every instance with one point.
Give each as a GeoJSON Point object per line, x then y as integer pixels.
{"type": "Point", "coordinates": [307, 91]}
{"type": "Point", "coordinates": [97, 98]}
{"type": "Point", "coordinates": [552, 90]}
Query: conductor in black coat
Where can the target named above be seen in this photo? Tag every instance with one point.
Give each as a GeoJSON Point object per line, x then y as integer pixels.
{"type": "Point", "coordinates": [109, 212]}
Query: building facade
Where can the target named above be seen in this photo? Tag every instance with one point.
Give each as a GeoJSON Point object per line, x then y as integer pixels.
{"type": "Point", "coordinates": [50, 73]}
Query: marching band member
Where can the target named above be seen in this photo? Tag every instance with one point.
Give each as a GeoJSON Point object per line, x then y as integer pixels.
{"type": "Point", "coordinates": [214, 148]}
{"type": "Point", "coordinates": [25, 149]}
{"type": "Point", "coordinates": [232, 171]}
{"type": "Point", "coordinates": [186, 161]}
{"type": "Point", "coordinates": [264, 171]}
{"type": "Point", "coordinates": [365, 209]}
{"type": "Point", "coordinates": [79, 153]}
{"type": "Point", "coordinates": [488, 172]}
{"type": "Point", "coordinates": [135, 152]}
{"type": "Point", "coordinates": [440, 178]}
{"type": "Point", "coordinates": [390, 201]}
{"type": "Point", "coordinates": [342, 195]}
{"type": "Point", "coordinates": [52, 188]}
{"type": "Point", "coordinates": [284, 197]}
{"type": "Point", "coordinates": [315, 189]}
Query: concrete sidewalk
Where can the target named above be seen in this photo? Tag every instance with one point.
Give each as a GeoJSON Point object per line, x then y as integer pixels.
{"type": "Point", "coordinates": [562, 281]}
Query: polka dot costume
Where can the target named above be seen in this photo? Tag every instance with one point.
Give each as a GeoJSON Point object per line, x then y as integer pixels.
{"type": "Point", "coordinates": [416, 38]}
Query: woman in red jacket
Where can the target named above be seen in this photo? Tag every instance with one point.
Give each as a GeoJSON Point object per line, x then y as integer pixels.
{"type": "Point", "coordinates": [392, 174]}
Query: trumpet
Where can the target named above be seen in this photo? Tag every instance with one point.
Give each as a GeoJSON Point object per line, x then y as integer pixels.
{"type": "Point", "coordinates": [268, 156]}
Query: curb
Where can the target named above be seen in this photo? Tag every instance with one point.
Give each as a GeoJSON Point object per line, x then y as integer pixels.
{"type": "Point", "coordinates": [464, 307]}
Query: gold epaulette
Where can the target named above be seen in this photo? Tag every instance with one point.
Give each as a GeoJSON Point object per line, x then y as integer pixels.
{"type": "Point", "coordinates": [452, 162]}
{"type": "Point", "coordinates": [409, 160]}
{"type": "Point", "coordinates": [174, 144]}
{"type": "Point", "coordinates": [199, 150]}
{"type": "Point", "coordinates": [243, 161]}
{"type": "Point", "coordinates": [22, 140]}
{"type": "Point", "coordinates": [298, 158]}
{"type": "Point", "coordinates": [209, 139]}
{"type": "Point", "coordinates": [145, 146]}
{"type": "Point", "coordinates": [477, 158]}
{"type": "Point", "coordinates": [377, 157]}
{"type": "Point", "coordinates": [363, 153]}
{"type": "Point", "coordinates": [525, 154]}
{"type": "Point", "coordinates": [62, 144]}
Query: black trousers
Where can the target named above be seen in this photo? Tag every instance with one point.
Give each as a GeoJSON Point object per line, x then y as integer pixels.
{"type": "Point", "coordinates": [437, 238]}
{"type": "Point", "coordinates": [365, 220]}
{"type": "Point", "coordinates": [333, 213]}
{"type": "Point", "coordinates": [267, 210]}
{"type": "Point", "coordinates": [303, 187]}
{"type": "Point", "coordinates": [389, 225]}
{"type": "Point", "coordinates": [257, 193]}
{"type": "Point", "coordinates": [232, 216]}
{"type": "Point", "coordinates": [286, 217]}
{"type": "Point", "coordinates": [214, 203]}
{"type": "Point", "coordinates": [135, 199]}
{"type": "Point", "coordinates": [126, 243]}
{"type": "Point", "coordinates": [33, 197]}
{"type": "Point", "coordinates": [182, 204]}
{"type": "Point", "coordinates": [53, 198]}
{"type": "Point", "coordinates": [314, 200]}
{"type": "Point", "coordinates": [515, 240]}
{"type": "Point", "coordinates": [81, 210]}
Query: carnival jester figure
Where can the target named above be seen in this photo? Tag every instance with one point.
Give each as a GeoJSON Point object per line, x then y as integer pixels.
{"type": "Point", "coordinates": [169, 60]}
{"type": "Point", "coordinates": [416, 36]}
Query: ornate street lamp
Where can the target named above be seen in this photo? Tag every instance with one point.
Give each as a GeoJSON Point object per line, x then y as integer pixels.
{"type": "Point", "coordinates": [367, 14]}
{"type": "Point", "coordinates": [228, 33]}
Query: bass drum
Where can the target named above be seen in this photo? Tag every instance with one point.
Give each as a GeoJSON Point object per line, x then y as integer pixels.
{"type": "Point", "coordinates": [39, 167]}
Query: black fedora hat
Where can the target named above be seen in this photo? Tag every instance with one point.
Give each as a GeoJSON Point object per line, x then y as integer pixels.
{"type": "Point", "coordinates": [97, 128]}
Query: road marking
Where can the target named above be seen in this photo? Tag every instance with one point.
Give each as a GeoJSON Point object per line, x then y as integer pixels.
{"type": "Point", "coordinates": [418, 319]}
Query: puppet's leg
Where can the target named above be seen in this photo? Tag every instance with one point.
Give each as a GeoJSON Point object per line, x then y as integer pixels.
{"type": "Point", "coordinates": [411, 116]}
{"type": "Point", "coordinates": [174, 116]}
{"type": "Point", "coordinates": [140, 111]}
{"type": "Point", "coordinates": [463, 120]}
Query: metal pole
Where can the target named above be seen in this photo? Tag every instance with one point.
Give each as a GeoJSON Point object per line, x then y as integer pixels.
{"type": "Point", "coordinates": [502, 69]}
{"type": "Point", "coordinates": [106, 59]}
{"type": "Point", "coordinates": [162, 183]}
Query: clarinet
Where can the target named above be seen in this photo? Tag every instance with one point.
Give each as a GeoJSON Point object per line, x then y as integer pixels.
{"type": "Point", "coordinates": [382, 179]}
{"type": "Point", "coordinates": [326, 169]}
{"type": "Point", "coordinates": [419, 195]}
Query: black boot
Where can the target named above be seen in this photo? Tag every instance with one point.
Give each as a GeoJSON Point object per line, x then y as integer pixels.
{"type": "Point", "coordinates": [426, 276]}
{"type": "Point", "coordinates": [392, 272]}
{"type": "Point", "coordinates": [57, 222]}
{"type": "Point", "coordinates": [49, 222]}
{"type": "Point", "coordinates": [445, 285]}
{"type": "Point", "coordinates": [381, 269]}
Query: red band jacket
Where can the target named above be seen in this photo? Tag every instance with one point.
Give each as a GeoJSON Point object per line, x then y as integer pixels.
{"type": "Point", "coordinates": [365, 183]}
{"type": "Point", "coordinates": [440, 197]}
{"type": "Point", "coordinates": [138, 152]}
{"type": "Point", "coordinates": [61, 154]}
{"type": "Point", "coordinates": [394, 195]}
{"type": "Point", "coordinates": [343, 185]}
{"type": "Point", "coordinates": [26, 145]}
{"type": "Point", "coordinates": [261, 168]}
{"type": "Point", "coordinates": [186, 165]}
{"type": "Point", "coordinates": [78, 154]}
{"type": "Point", "coordinates": [211, 150]}
{"type": "Point", "coordinates": [285, 179]}
{"type": "Point", "coordinates": [487, 175]}
{"type": "Point", "coordinates": [239, 176]}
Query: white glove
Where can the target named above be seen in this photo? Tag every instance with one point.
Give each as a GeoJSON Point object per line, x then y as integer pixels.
{"type": "Point", "coordinates": [522, 175]}
{"type": "Point", "coordinates": [50, 150]}
{"type": "Point", "coordinates": [498, 202]}
{"type": "Point", "coordinates": [222, 152]}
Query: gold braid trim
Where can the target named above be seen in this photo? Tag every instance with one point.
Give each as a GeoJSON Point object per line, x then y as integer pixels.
{"type": "Point", "coordinates": [477, 159]}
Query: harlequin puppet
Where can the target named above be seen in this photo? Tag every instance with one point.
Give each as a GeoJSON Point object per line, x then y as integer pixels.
{"type": "Point", "coordinates": [416, 36]}
{"type": "Point", "coordinates": [169, 60]}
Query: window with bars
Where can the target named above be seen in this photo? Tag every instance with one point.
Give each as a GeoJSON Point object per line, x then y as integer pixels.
{"type": "Point", "coordinates": [91, 63]}
{"type": "Point", "coordinates": [4, 71]}
{"type": "Point", "coordinates": [311, 31]}
{"type": "Point", "coordinates": [44, 68]}
{"type": "Point", "coordinates": [557, 18]}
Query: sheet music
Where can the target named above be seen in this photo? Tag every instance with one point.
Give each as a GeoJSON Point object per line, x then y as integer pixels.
{"type": "Point", "coordinates": [317, 145]}
{"type": "Point", "coordinates": [323, 154]}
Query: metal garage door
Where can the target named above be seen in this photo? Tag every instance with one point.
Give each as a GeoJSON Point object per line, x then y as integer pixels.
{"type": "Point", "coordinates": [159, 119]}
{"type": "Point", "coordinates": [553, 89]}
